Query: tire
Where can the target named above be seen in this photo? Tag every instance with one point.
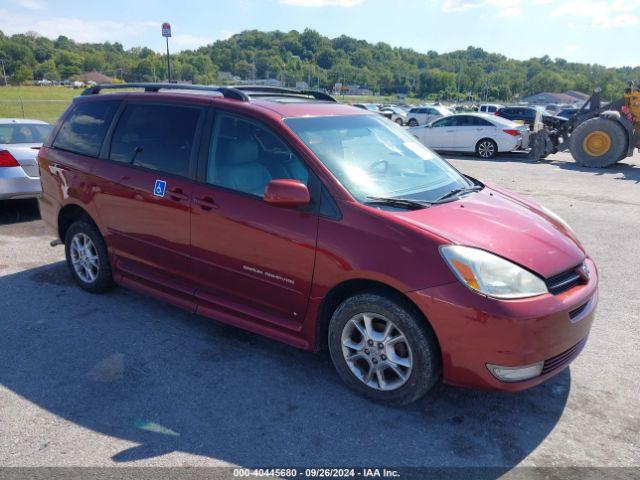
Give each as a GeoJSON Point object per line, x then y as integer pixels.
{"type": "Point", "coordinates": [413, 122]}
{"type": "Point", "coordinates": [486, 148]}
{"type": "Point", "coordinates": [418, 347]}
{"type": "Point", "coordinates": [399, 121]}
{"type": "Point", "coordinates": [87, 257]}
{"type": "Point", "coordinates": [610, 130]}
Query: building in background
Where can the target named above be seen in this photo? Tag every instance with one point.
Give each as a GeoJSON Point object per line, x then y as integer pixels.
{"type": "Point", "coordinates": [570, 97]}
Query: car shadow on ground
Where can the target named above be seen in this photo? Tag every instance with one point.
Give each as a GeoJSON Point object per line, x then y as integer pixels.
{"type": "Point", "coordinates": [137, 369]}
{"type": "Point", "coordinates": [18, 211]}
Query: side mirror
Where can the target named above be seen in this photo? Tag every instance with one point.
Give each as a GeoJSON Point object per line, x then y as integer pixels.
{"type": "Point", "coordinates": [286, 192]}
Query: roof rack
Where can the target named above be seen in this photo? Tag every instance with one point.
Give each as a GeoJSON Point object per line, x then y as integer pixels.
{"type": "Point", "coordinates": [226, 92]}
{"type": "Point", "coordinates": [263, 90]}
{"type": "Point", "coordinates": [237, 92]}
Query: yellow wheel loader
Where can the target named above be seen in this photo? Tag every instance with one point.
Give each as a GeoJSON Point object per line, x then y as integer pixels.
{"type": "Point", "coordinates": [598, 136]}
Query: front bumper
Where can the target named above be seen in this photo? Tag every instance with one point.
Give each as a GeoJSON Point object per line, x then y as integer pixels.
{"type": "Point", "coordinates": [474, 331]}
{"type": "Point", "coordinates": [15, 183]}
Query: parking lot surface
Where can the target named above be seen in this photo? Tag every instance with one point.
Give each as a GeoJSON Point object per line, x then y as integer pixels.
{"type": "Point", "coordinates": [121, 379]}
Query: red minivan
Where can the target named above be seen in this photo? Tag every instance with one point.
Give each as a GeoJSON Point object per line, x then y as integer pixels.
{"type": "Point", "coordinates": [319, 225]}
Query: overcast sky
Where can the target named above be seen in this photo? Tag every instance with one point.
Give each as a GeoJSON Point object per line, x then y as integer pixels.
{"type": "Point", "coordinates": [591, 31]}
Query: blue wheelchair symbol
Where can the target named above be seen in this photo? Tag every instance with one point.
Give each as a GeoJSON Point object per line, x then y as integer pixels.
{"type": "Point", "coordinates": [159, 188]}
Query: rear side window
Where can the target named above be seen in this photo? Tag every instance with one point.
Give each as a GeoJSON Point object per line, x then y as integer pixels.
{"type": "Point", "coordinates": [159, 137]}
{"type": "Point", "coordinates": [84, 130]}
{"type": "Point", "coordinates": [479, 122]}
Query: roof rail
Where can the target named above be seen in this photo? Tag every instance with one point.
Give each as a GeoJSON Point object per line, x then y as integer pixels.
{"type": "Point", "coordinates": [263, 90]}
{"type": "Point", "coordinates": [226, 92]}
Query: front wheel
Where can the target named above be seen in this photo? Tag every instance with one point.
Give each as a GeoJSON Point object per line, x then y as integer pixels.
{"type": "Point", "coordinates": [87, 257]}
{"type": "Point", "coordinates": [399, 121]}
{"type": "Point", "coordinates": [413, 122]}
{"type": "Point", "coordinates": [383, 350]}
{"type": "Point", "coordinates": [486, 148]}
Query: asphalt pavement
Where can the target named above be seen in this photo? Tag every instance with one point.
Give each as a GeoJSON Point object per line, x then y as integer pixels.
{"type": "Point", "coordinates": [122, 379]}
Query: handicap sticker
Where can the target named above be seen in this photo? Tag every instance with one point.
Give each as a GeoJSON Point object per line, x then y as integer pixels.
{"type": "Point", "coordinates": [159, 188]}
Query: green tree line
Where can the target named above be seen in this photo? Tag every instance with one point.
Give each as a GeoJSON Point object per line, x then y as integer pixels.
{"type": "Point", "coordinates": [320, 61]}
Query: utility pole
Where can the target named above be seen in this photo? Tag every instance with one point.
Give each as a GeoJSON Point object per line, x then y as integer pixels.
{"type": "Point", "coordinates": [166, 33]}
{"type": "Point", "coordinates": [4, 73]}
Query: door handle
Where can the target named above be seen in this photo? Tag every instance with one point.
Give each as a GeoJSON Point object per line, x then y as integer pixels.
{"type": "Point", "coordinates": [450, 131]}
{"type": "Point", "coordinates": [177, 194]}
{"type": "Point", "coordinates": [206, 203]}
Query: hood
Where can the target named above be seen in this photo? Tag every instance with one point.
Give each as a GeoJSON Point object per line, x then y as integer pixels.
{"type": "Point", "coordinates": [506, 226]}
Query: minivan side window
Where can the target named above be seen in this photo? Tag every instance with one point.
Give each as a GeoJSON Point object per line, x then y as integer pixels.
{"type": "Point", "coordinates": [84, 130]}
{"type": "Point", "coordinates": [156, 136]}
{"type": "Point", "coordinates": [245, 156]}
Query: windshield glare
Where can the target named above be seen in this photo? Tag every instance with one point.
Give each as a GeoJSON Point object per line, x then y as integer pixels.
{"type": "Point", "coordinates": [372, 156]}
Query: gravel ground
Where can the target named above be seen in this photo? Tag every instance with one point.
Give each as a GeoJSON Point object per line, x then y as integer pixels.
{"type": "Point", "coordinates": [121, 379]}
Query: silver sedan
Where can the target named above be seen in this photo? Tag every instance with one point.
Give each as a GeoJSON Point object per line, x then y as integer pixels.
{"type": "Point", "coordinates": [20, 140]}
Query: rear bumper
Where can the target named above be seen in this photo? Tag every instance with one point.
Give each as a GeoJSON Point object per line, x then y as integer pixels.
{"type": "Point", "coordinates": [15, 183]}
{"type": "Point", "coordinates": [474, 331]}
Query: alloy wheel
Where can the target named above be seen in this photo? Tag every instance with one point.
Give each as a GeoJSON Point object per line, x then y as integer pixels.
{"type": "Point", "coordinates": [84, 257]}
{"type": "Point", "coordinates": [486, 149]}
{"type": "Point", "coordinates": [377, 351]}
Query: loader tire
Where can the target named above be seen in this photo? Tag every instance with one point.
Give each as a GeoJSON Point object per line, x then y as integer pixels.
{"type": "Point", "coordinates": [598, 142]}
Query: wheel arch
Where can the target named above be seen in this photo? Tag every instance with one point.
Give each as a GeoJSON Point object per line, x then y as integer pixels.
{"type": "Point", "coordinates": [69, 214]}
{"type": "Point", "coordinates": [351, 287]}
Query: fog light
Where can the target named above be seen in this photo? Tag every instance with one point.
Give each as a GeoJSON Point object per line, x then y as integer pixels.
{"type": "Point", "coordinates": [515, 374]}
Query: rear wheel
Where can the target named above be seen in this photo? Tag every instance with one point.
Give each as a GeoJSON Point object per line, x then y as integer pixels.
{"type": "Point", "coordinates": [413, 122]}
{"type": "Point", "coordinates": [399, 121]}
{"type": "Point", "coordinates": [87, 257]}
{"type": "Point", "coordinates": [598, 142]}
{"type": "Point", "coordinates": [383, 350]}
{"type": "Point", "coordinates": [486, 148]}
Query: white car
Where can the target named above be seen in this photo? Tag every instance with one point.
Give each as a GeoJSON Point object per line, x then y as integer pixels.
{"type": "Point", "coordinates": [398, 115]}
{"type": "Point", "coordinates": [20, 141]}
{"type": "Point", "coordinates": [425, 115]}
{"type": "Point", "coordinates": [473, 132]}
{"type": "Point", "coordinates": [490, 108]}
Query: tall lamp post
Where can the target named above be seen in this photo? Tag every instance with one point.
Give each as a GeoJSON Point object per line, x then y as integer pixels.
{"type": "Point", "coordinates": [166, 33]}
{"type": "Point", "coordinates": [4, 73]}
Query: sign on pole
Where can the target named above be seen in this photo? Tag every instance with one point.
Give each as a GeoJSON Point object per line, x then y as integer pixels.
{"type": "Point", "coordinates": [166, 29]}
{"type": "Point", "coordinates": [166, 33]}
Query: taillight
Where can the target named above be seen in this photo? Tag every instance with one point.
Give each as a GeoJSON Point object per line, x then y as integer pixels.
{"type": "Point", "coordinates": [515, 133]}
{"type": "Point", "coordinates": [7, 160]}
{"type": "Point", "coordinates": [497, 113]}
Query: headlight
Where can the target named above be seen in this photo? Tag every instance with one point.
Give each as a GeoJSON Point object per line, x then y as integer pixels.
{"type": "Point", "coordinates": [491, 275]}
{"type": "Point", "coordinates": [558, 219]}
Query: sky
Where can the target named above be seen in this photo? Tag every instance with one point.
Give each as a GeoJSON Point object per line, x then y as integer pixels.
{"type": "Point", "coordinates": [590, 31]}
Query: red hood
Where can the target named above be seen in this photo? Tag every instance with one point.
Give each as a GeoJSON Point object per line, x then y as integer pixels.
{"type": "Point", "coordinates": [506, 225]}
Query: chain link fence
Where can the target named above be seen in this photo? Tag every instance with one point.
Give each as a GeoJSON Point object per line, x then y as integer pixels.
{"type": "Point", "coordinates": [47, 110]}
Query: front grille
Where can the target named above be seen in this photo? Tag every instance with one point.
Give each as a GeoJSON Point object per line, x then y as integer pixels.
{"type": "Point", "coordinates": [564, 281]}
{"type": "Point", "coordinates": [576, 312]}
{"type": "Point", "coordinates": [559, 361]}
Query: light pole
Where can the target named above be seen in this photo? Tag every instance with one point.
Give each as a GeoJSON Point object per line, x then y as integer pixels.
{"type": "Point", "coordinates": [4, 73]}
{"type": "Point", "coordinates": [166, 33]}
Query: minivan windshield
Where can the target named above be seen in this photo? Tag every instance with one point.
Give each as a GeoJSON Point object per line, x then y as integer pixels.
{"type": "Point", "coordinates": [373, 157]}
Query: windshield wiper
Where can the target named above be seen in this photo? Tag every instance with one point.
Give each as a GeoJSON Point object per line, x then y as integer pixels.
{"type": "Point", "coordinates": [459, 191]}
{"type": "Point", "coordinates": [401, 202]}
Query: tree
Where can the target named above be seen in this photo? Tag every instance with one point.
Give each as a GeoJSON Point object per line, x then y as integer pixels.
{"type": "Point", "coordinates": [21, 75]}
{"type": "Point", "coordinates": [379, 66]}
